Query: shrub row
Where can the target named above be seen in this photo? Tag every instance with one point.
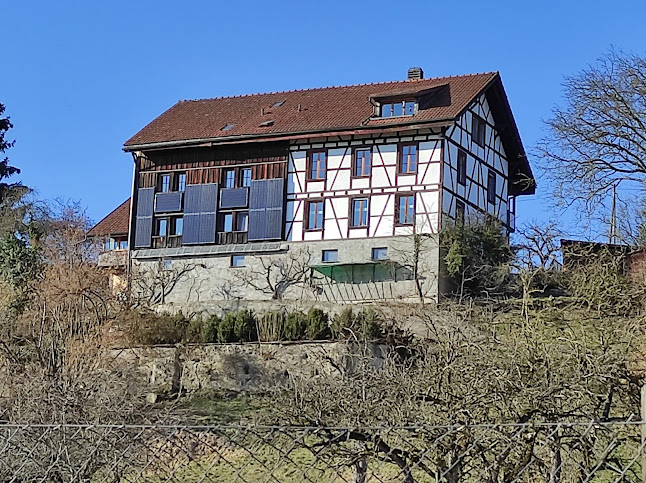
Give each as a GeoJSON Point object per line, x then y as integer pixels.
{"type": "Point", "coordinates": [145, 327]}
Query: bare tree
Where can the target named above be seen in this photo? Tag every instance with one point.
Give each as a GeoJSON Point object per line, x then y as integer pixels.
{"type": "Point", "coordinates": [597, 140]}
{"type": "Point", "coordinates": [477, 366]}
{"type": "Point", "coordinates": [153, 282]}
{"type": "Point", "coordinates": [275, 274]}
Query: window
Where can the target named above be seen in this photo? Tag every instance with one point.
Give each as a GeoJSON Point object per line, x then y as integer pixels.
{"type": "Point", "coordinates": [491, 187]}
{"type": "Point", "coordinates": [330, 256]}
{"type": "Point", "coordinates": [314, 215]}
{"type": "Point", "coordinates": [407, 158]}
{"type": "Point", "coordinates": [162, 227]}
{"type": "Point", "coordinates": [317, 165]}
{"type": "Point", "coordinates": [109, 244]}
{"type": "Point", "coordinates": [380, 253]}
{"type": "Point", "coordinates": [478, 130]}
{"type": "Point", "coordinates": [405, 209]}
{"type": "Point", "coordinates": [165, 183]}
{"type": "Point", "coordinates": [242, 221]}
{"type": "Point", "coordinates": [181, 182]}
{"type": "Point", "coordinates": [359, 212]}
{"type": "Point", "coordinates": [230, 178]}
{"type": "Point", "coordinates": [178, 227]}
{"type": "Point", "coordinates": [459, 212]}
{"type": "Point", "coordinates": [227, 225]}
{"type": "Point", "coordinates": [237, 261]}
{"type": "Point", "coordinates": [228, 127]}
{"type": "Point", "coordinates": [168, 264]}
{"type": "Point", "coordinates": [361, 166]}
{"type": "Point", "coordinates": [399, 108]}
{"type": "Point", "coordinates": [462, 167]}
{"type": "Point", "coordinates": [246, 177]}
{"type": "Point", "coordinates": [123, 245]}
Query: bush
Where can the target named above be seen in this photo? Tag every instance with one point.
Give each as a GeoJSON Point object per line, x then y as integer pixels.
{"type": "Point", "coordinates": [145, 327]}
{"type": "Point", "coordinates": [226, 328]}
{"type": "Point", "coordinates": [209, 329]}
{"type": "Point", "coordinates": [271, 326]}
{"type": "Point", "coordinates": [245, 326]}
{"type": "Point", "coordinates": [295, 326]}
{"type": "Point", "coordinates": [363, 326]}
{"type": "Point", "coordinates": [477, 255]}
{"type": "Point", "coordinates": [317, 326]}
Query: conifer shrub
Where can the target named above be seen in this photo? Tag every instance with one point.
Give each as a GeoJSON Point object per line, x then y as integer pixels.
{"type": "Point", "coordinates": [295, 326]}
{"type": "Point", "coordinates": [226, 328]}
{"type": "Point", "coordinates": [317, 325]}
{"type": "Point", "coordinates": [209, 329]}
{"type": "Point", "coordinates": [145, 327]}
{"type": "Point", "coordinates": [245, 329]}
{"type": "Point", "coordinates": [364, 325]}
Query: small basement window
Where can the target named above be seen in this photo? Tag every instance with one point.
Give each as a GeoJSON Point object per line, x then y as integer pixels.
{"type": "Point", "coordinates": [330, 256]}
{"type": "Point", "coordinates": [237, 261]}
{"type": "Point", "coordinates": [380, 253]}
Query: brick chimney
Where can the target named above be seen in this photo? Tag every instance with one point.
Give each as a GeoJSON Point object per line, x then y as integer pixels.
{"type": "Point", "coordinates": [415, 73]}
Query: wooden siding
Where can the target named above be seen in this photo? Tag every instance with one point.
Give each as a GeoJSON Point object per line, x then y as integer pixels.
{"type": "Point", "coordinates": [205, 165]}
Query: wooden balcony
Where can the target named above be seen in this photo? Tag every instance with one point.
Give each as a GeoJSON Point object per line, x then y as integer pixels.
{"type": "Point", "coordinates": [113, 259]}
{"type": "Point", "coordinates": [173, 241]}
{"type": "Point", "coordinates": [232, 238]}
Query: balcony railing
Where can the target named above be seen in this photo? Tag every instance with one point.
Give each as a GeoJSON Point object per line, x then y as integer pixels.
{"type": "Point", "coordinates": [172, 241]}
{"type": "Point", "coordinates": [232, 237]}
{"type": "Point", "coordinates": [113, 259]}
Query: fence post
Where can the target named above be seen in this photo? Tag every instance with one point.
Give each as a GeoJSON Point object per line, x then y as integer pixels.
{"type": "Point", "coordinates": [642, 428]}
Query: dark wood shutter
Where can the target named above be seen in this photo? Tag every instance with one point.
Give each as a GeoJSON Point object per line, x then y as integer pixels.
{"type": "Point", "coordinates": [266, 205]}
{"type": "Point", "coordinates": [200, 211]}
{"type": "Point", "coordinates": [144, 217]}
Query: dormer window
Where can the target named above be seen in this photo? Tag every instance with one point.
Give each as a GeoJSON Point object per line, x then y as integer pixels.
{"type": "Point", "coordinates": [399, 108]}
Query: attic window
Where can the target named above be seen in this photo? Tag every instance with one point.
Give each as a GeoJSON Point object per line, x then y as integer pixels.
{"type": "Point", "coordinates": [228, 127]}
{"type": "Point", "coordinates": [399, 108]}
{"type": "Point", "coordinates": [278, 104]}
{"type": "Point", "coordinates": [266, 123]}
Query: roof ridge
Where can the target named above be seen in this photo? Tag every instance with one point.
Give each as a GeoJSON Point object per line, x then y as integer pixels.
{"type": "Point", "coordinates": [239, 96]}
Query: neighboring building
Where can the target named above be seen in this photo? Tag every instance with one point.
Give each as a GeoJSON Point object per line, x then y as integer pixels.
{"type": "Point", "coordinates": [112, 235]}
{"type": "Point", "coordinates": [321, 188]}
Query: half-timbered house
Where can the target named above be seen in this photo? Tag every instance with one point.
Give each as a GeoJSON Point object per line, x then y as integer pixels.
{"type": "Point", "coordinates": [332, 194]}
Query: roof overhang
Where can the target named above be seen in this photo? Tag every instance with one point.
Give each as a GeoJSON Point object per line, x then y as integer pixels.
{"type": "Point", "coordinates": [357, 130]}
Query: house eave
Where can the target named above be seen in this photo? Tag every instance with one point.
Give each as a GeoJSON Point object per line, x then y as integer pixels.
{"type": "Point", "coordinates": [358, 130]}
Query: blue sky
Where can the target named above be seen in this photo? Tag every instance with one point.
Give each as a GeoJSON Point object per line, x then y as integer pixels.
{"type": "Point", "coordinates": [79, 78]}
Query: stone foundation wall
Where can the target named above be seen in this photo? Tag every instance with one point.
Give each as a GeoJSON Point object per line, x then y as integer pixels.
{"type": "Point", "coordinates": [244, 367]}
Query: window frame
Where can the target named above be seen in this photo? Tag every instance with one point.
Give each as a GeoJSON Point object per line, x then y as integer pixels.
{"type": "Point", "coordinates": [308, 203]}
{"type": "Point", "coordinates": [398, 197]}
{"type": "Point", "coordinates": [355, 150]}
{"type": "Point", "coordinates": [367, 209]}
{"type": "Point", "coordinates": [460, 210]}
{"type": "Point", "coordinates": [462, 167]}
{"type": "Point", "coordinates": [400, 157]}
{"type": "Point", "coordinates": [492, 182]}
{"type": "Point", "coordinates": [378, 259]}
{"type": "Point", "coordinates": [478, 129]}
{"type": "Point", "coordinates": [402, 103]}
{"type": "Point", "coordinates": [330, 250]}
{"type": "Point", "coordinates": [242, 177]}
{"type": "Point", "coordinates": [232, 263]}
{"type": "Point", "coordinates": [310, 161]}
{"type": "Point", "coordinates": [225, 178]}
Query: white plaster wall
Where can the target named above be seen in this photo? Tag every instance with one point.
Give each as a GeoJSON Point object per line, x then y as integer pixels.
{"type": "Point", "coordinates": [381, 188]}
{"type": "Point", "coordinates": [479, 160]}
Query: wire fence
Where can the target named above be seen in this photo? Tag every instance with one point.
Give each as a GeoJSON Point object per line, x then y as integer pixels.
{"type": "Point", "coordinates": [566, 452]}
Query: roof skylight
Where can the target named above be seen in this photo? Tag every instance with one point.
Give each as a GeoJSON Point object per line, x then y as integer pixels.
{"type": "Point", "coordinates": [228, 127]}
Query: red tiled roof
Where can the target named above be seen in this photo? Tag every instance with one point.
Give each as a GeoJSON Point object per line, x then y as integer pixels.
{"type": "Point", "coordinates": [321, 109]}
{"type": "Point", "coordinates": [116, 223]}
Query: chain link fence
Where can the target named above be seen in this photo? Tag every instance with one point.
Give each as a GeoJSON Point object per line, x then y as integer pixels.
{"type": "Point", "coordinates": [566, 452]}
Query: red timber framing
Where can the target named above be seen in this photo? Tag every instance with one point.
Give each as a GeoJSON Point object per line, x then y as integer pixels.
{"type": "Point", "coordinates": [381, 186]}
